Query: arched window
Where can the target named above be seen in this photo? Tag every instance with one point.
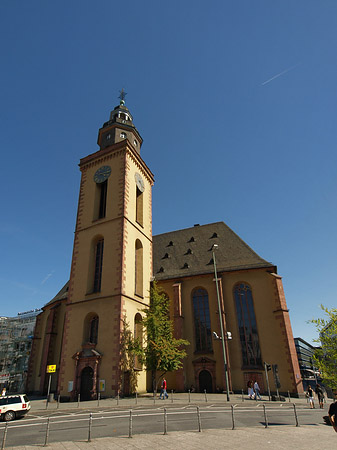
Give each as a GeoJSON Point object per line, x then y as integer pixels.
{"type": "Point", "coordinates": [98, 265]}
{"type": "Point", "coordinates": [202, 322]}
{"type": "Point", "coordinates": [250, 347]}
{"type": "Point", "coordinates": [139, 268]}
{"type": "Point", "coordinates": [138, 334]}
{"type": "Point", "coordinates": [100, 200]}
{"type": "Point", "coordinates": [90, 330]}
{"type": "Point", "coordinates": [93, 330]}
{"type": "Point", "coordinates": [139, 206]}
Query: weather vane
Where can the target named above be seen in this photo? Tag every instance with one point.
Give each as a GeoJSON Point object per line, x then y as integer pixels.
{"type": "Point", "coordinates": [122, 95]}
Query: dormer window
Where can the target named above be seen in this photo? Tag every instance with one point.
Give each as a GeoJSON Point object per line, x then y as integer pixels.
{"type": "Point", "coordinates": [123, 135]}
{"type": "Point", "coordinates": [170, 244]}
{"type": "Point", "coordinates": [135, 143]}
{"type": "Point", "coordinates": [192, 239]}
{"type": "Point", "coordinates": [108, 137]}
{"type": "Point", "coordinates": [214, 235]}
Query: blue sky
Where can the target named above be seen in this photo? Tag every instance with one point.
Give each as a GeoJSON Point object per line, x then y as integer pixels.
{"type": "Point", "coordinates": [236, 103]}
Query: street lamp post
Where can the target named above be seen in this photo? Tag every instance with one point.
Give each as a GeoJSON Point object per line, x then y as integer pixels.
{"type": "Point", "coordinates": [215, 247]}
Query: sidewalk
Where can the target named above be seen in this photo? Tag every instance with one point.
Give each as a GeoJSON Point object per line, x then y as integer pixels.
{"type": "Point", "coordinates": [147, 400]}
{"type": "Point", "coordinates": [255, 438]}
{"type": "Point", "coordinates": [282, 438]}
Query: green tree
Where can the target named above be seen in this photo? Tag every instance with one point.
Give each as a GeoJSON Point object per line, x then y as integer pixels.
{"type": "Point", "coordinates": [326, 355]}
{"type": "Point", "coordinates": [130, 348]}
{"type": "Point", "coordinates": [162, 353]}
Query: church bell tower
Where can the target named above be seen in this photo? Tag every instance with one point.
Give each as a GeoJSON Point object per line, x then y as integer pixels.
{"type": "Point", "coordinates": [111, 264]}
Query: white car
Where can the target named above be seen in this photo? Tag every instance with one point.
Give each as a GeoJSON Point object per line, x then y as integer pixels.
{"type": "Point", "coordinates": [13, 406]}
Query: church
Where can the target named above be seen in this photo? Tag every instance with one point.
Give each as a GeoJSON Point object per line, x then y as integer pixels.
{"type": "Point", "coordinates": [217, 287]}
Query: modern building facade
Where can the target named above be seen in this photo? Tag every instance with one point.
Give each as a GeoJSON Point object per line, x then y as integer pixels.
{"type": "Point", "coordinates": [305, 354]}
{"type": "Point", "coordinates": [113, 263]}
{"type": "Point", "coordinates": [16, 337]}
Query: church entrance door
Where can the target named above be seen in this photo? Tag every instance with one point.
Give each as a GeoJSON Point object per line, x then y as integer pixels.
{"type": "Point", "coordinates": [87, 376]}
{"type": "Point", "coordinates": [205, 381]}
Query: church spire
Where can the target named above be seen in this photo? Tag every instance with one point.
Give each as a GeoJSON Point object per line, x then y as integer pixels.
{"type": "Point", "coordinates": [119, 127]}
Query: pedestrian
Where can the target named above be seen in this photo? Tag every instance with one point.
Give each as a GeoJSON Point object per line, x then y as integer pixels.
{"type": "Point", "coordinates": [250, 390]}
{"type": "Point", "coordinates": [3, 392]}
{"type": "Point", "coordinates": [310, 393]}
{"type": "Point", "coordinates": [257, 390]}
{"type": "Point", "coordinates": [163, 391]}
{"type": "Point", "coordinates": [320, 395]}
{"type": "Point", "coordinates": [332, 413]}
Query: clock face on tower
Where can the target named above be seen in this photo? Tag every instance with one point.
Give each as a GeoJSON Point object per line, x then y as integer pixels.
{"type": "Point", "coordinates": [139, 182]}
{"type": "Point", "coordinates": [102, 174]}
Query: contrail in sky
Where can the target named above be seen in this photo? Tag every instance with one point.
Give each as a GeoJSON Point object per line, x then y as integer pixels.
{"type": "Point", "coordinates": [280, 74]}
{"type": "Point", "coordinates": [47, 277]}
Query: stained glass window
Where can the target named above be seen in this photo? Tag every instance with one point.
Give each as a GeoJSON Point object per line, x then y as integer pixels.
{"type": "Point", "coordinates": [249, 338]}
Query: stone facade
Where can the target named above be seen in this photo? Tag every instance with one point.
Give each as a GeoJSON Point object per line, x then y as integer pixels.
{"type": "Point", "coordinates": [112, 266]}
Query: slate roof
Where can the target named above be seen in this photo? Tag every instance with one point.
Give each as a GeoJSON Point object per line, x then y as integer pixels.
{"type": "Point", "coordinates": [63, 294]}
{"type": "Point", "coordinates": [188, 252]}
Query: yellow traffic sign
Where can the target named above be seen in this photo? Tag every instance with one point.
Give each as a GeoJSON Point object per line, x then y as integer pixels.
{"type": "Point", "coordinates": [51, 368]}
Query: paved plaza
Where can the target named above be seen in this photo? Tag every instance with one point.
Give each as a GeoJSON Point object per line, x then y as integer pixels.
{"type": "Point", "coordinates": [287, 438]}
{"type": "Point", "coordinates": [317, 435]}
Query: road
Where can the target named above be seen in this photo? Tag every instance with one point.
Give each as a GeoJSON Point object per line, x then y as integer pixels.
{"type": "Point", "coordinates": [112, 422]}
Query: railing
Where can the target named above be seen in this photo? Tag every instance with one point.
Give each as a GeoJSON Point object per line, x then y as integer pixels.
{"type": "Point", "coordinates": [155, 397]}
{"type": "Point", "coordinates": [126, 420]}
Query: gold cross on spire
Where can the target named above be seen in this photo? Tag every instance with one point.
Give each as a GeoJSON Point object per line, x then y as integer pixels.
{"type": "Point", "coordinates": [122, 95]}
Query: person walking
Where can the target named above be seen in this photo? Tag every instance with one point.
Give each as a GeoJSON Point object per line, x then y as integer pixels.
{"type": "Point", "coordinates": [3, 392]}
{"type": "Point", "coordinates": [320, 395]}
{"type": "Point", "coordinates": [257, 390]}
{"type": "Point", "coordinates": [250, 390]}
{"type": "Point", "coordinates": [310, 393]}
{"type": "Point", "coordinates": [163, 389]}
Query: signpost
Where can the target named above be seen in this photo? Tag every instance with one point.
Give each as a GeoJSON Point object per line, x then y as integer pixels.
{"type": "Point", "coordinates": [276, 380]}
{"type": "Point", "coordinates": [50, 369]}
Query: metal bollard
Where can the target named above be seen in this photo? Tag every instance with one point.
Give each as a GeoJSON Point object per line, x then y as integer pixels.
{"type": "Point", "coordinates": [233, 421]}
{"type": "Point", "coordinates": [165, 421]}
{"type": "Point", "coordinates": [265, 417]}
{"type": "Point", "coordinates": [205, 396]}
{"type": "Point", "coordinates": [58, 401]}
{"type": "Point", "coordinates": [296, 418]}
{"type": "Point", "coordinates": [172, 396]}
{"type": "Point", "coordinates": [289, 396]}
{"type": "Point", "coordinates": [47, 432]}
{"type": "Point", "coordinates": [130, 424]}
{"type": "Point", "coordinates": [136, 398]}
{"type": "Point", "coordinates": [199, 419]}
{"type": "Point", "coordinates": [189, 396]}
{"type": "Point", "coordinates": [242, 396]}
{"type": "Point", "coordinates": [4, 437]}
{"type": "Point", "coordinates": [90, 425]}
{"type": "Point", "coordinates": [154, 397]}
{"type": "Point", "coordinates": [98, 398]}
{"type": "Point", "coordinates": [117, 398]}
{"type": "Point", "coordinates": [78, 400]}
